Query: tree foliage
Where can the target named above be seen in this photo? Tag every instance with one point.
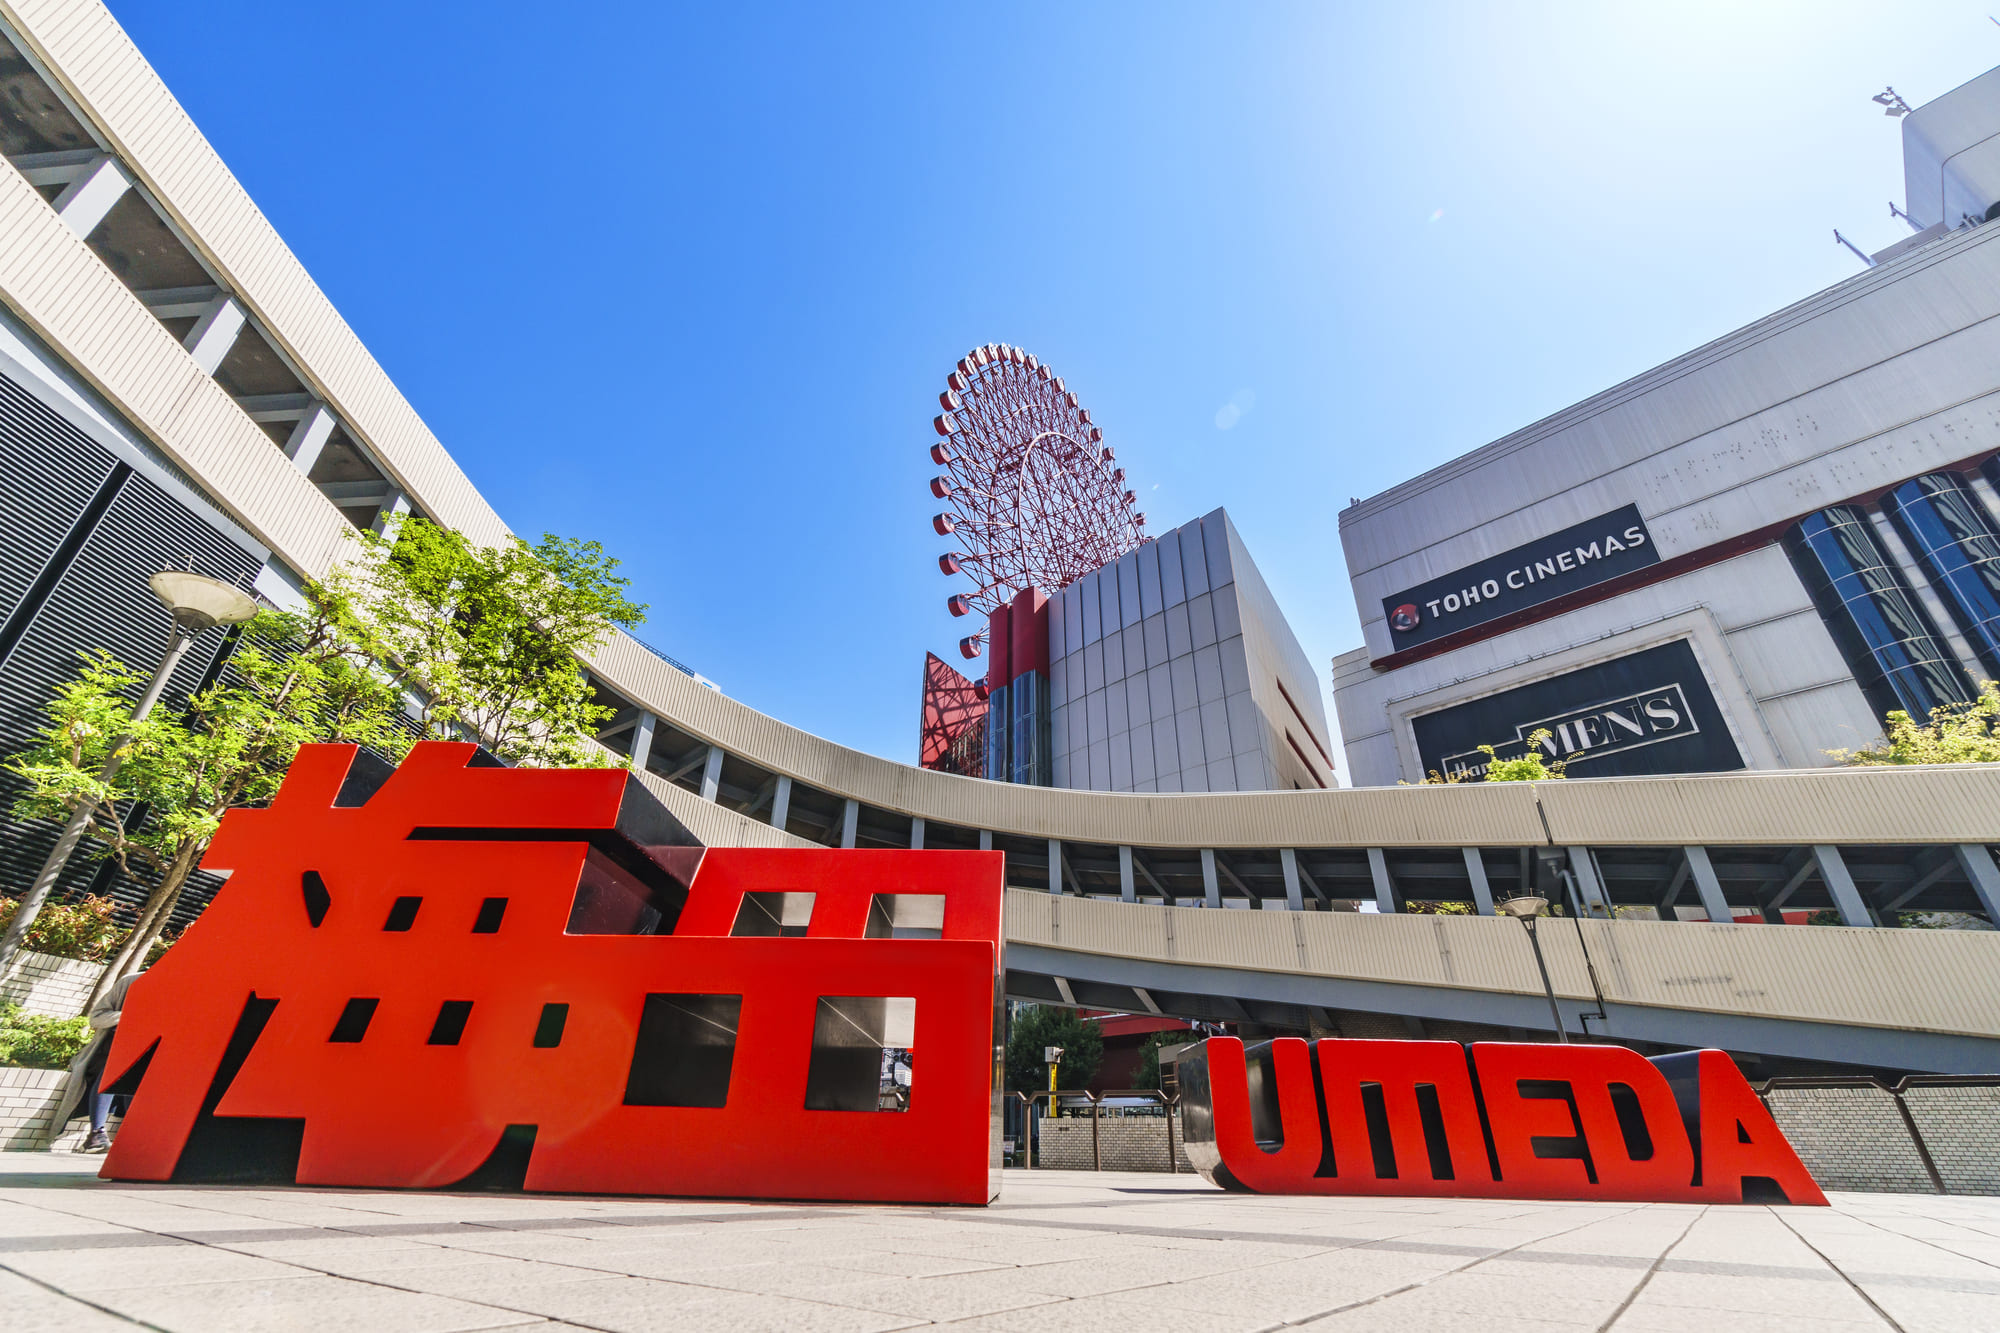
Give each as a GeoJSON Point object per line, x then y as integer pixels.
{"type": "Point", "coordinates": [1957, 733]}
{"type": "Point", "coordinates": [1149, 1054]}
{"type": "Point", "coordinates": [1039, 1026]}
{"type": "Point", "coordinates": [423, 636]}
{"type": "Point", "coordinates": [485, 641]}
{"type": "Point", "coordinates": [293, 679]}
{"type": "Point", "coordinates": [34, 1041]}
{"type": "Point", "coordinates": [1534, 766]}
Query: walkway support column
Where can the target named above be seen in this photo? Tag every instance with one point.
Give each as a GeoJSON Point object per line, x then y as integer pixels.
{"type": "Point", "coordinates": [209, 341]}
{"type": "Point", "coordinates": [781, 803]}
{"type": "Point", "coordinates": [1583, 867]}
{"type": "Point", "coordinates": [642, 741]}
{"type": "Point", "coordinates": [86, 199]}
{"type": "Point", "coordinates": [1211, 888]}
{"type": "Point", "coordinates": [1295, 896]}
{"type": "Point", "coordinates": [1055, 865]}
{"type": "Point", "coordinates": [850, 821]}
{"type": "Point", "coordinates": [309, 437]}
{"type": "Point", "coordinates": [1128, 888]}
{"type": "Point", "coordinates": [1475, 871]}
{"type": "Point", "coordinates": [1385, 888]}
{"type": "Point", "coordinates": [1847, 899]}
{"type": "Point", "coordinates": [711, 774]}
{"type": "Point", "coordinates": [1702, 871]}
{"type": "Point", "coordinates": [1977, 862]}
{"type": "Point", "coordinates": [917, 834]}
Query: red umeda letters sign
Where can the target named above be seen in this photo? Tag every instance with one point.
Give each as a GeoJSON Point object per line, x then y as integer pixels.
{"type": "Point", "coordinates": [448, 975]}
{"type": "Point", "coordinates": [1496, 1120]}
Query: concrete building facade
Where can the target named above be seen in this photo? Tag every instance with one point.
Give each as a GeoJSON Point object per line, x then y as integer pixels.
{"type": "Point", "coordinates": [1174, 670]}
{"type": "Point", "coordinates": [1743, 558]}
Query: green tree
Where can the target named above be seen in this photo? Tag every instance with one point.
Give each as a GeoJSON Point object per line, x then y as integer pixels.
{"type": "Point", "coordinates": [1957, 733]}
{"type": "Point", "coordinates": [1533, 766]}
{"type": "Point", "coordinates": [486, 642]}
{"type": "Point", "coordinates": [1149, 1054]}
{"type": "Point", "coordinates": [293, 679]}
{"type": "Point", "coordinates": [424, 635]}
{"type": "Point", "coordinates": [1040, 1026]}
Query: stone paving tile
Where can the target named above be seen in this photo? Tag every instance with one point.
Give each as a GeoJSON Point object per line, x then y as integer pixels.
{"type": "Point", "coordinates": [1059, 1252]}
{"type": "Point", "coordinates": [1106, 1314]}
{"type": "Point", "coordinates": [953, 1297]}
{"type": "Point", "coordinates": [1414, 1313]}
{"type": "Point", "coordinates": [299, 1303]}
{"type": "Point", "coordinates": [1643, 1318]}
{"type": "Point", "coordinates": [641, 1305]}
{"type": "Point", "coordinates": [93, 1270]}
{"type": "Point", "coordinates": [1822, 1296]}
{"type": "Point", "coordinates": [31, 1308]}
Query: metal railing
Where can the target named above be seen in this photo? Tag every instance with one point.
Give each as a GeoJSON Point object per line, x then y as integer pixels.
{"type": "Point", "coordinates": [1895, 1092]}
{"type": "Point", "coordinates": [1031, 1136]}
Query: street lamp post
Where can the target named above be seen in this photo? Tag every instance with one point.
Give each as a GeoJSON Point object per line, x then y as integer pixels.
{"type": "Point", "coordinates": [1525, 908]}
{"type": "Point", "coordinates": [196, 603]}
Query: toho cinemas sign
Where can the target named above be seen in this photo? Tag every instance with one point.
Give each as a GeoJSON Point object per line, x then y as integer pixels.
{"type": "Point", "coordinates": [1590, 552]}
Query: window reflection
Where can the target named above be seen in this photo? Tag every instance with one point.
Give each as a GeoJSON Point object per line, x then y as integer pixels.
{"type": "Point", "coordinates": [1954, 540]}
{"type": "Point", "coordinates": [1895, 653]}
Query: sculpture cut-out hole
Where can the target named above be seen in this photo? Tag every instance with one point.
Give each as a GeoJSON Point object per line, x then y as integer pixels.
{"type": "Point", "coordinates": [354, 1020]}
{"type": "Point", "coordinates": [1631, 1122]}
{"type": "Point", "coordinates": [549, 1028]}
{"type": "Point", "coordinates": [403, 914]}
{"type": "Point", "coordinates": [862, 1053]}
{"type": "Point", "coordinates": [450, 1024]}
{"type": "Point", "coordinates": [490, 913]}
{"type": "Point", "coordinates": [316, 896]}
{"type": "Point", "coordinates": [783, 914]}
{"type": "Point", "coordinates": [686, 1048]}
{"type": "Point", "coordinates": [905, 916]}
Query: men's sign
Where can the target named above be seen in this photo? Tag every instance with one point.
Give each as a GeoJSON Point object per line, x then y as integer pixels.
{"type": "Point", "coordinates": [1495, 1120]}
{"type": "Point", "coordinates": [1546, 568]}
{"type": "Point", "coordinates": [1647, 712]}
{"type": "Point", "coordinates": [539, 979]}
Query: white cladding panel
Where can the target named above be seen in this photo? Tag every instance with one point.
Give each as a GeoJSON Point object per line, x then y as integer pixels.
{"type": "Point", "coordinates": [1951, 157]}
{"type": "Point", "coordinates": [1184, 696]}
{"type": "Point", "coordinates": [1878, 379]}
{"type": "Point", "coordinates": [1884, 377]}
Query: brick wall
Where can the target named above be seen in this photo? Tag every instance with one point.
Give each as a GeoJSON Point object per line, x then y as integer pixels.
{"type": "Point", "coordinates": [1851, 1138]}
{"type": "Point", "coordinates": [1128, 1143]}
{"type": "Point", "coordinates": [28, 1103]}
{"type": "Point", "coordinates": [1961, 1127]}
{"type": "Point", "coordinates": [44, 984]}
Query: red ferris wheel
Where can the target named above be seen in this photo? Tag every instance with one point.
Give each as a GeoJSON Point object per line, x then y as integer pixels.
{"type": "Point", "coordinates": [1037, 499]}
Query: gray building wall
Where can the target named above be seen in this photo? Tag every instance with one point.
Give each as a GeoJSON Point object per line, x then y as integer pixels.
{"type": "Point", "coordinates": [1170, 671]}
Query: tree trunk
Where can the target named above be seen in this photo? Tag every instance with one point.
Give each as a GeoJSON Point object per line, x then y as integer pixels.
{"type": "Point", "coordinates": [153, 918]}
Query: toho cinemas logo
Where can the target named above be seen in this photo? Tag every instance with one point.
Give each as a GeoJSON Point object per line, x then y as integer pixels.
{"type": "Point", "coordinates": [1588, 553]}
{"type": "Point", "coordinates": [1649, 717]}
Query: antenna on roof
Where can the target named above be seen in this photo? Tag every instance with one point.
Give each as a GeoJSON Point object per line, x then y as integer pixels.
{"type": "Point", "coordinates": [1892, 102]}
{"type": "Point", "coordinates": [1852, 246]}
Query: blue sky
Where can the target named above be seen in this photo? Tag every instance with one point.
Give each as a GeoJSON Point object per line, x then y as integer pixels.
{"type": "Point", "coordinates": [687, 279]}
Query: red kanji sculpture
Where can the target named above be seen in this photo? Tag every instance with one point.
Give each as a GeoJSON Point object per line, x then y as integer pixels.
{"type": "Point", "coordinates": [539, 979]}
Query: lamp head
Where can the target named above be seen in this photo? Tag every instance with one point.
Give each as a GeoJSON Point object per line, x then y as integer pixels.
{"type": "Point", "coordinates": [1051, 1054]}
{"type": "Point", "coordinates": [1523, 906]}
{"type": "Point", "coordinates": [198, 602]}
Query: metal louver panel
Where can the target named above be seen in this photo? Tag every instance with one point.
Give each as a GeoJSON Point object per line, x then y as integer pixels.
{"type": "Point", "coordinates": [85, 588]}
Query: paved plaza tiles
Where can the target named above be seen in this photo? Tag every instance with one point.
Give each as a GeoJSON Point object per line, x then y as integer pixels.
{"type": "Point", "coordinates": [1060, 1251]}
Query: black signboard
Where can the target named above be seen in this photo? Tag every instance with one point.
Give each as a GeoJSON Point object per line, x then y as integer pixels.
{"type": "Point", "coordinates": [1562, 562]}
{"type": "Point", "coordinates": [1649, 712]}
